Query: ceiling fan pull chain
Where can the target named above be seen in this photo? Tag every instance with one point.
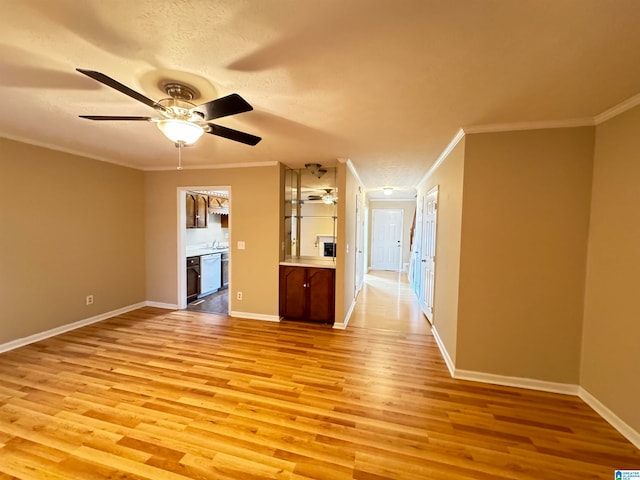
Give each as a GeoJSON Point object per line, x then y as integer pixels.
{"type": "Point", "coordinates": [179, 145]}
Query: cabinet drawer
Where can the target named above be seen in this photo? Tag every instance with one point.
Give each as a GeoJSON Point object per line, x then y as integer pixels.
{"type": "Point", "coordinates": [193, 261]}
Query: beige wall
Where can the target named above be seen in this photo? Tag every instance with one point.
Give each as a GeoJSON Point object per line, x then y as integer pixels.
{"type": "Point", "coordinates": [448, 177]}
{"type": "Point", "coordinates": [254, 218]}
{"type": "Point", "coordinates": [408, 209]}
{"type": "Point", "coordinates": [69, 227]}
{"type": "Point", "coordinates": [523, 252]}
{"type": "Point", "coordinates": [611, 333]}
{"type": "Point", "coordinates": [347, 269]}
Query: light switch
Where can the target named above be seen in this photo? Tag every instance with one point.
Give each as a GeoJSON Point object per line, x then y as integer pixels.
{"type": "Point", "coordinates": [240, 245]}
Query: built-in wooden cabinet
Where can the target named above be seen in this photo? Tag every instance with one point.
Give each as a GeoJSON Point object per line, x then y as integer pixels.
{"type": "Point", "coordinates": [307, 293]}
{"type": "Point", "coordinates": [197, 215]}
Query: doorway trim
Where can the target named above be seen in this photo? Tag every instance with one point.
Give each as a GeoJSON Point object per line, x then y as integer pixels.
{"type": "Point", "coordinates": [181, 229]}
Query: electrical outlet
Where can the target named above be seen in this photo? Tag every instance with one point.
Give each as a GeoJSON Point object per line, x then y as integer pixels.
{"type": "Point", "coordinates": [89, 299]}
{"type": "Point", "coordinates": [239, 295]}
{"type": "Point", "coordinates": [241, 245]}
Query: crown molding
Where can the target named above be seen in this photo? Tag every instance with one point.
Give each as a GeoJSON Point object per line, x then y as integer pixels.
{"type": "Point", "coordinates": [445, 153]}
{"type": "Point", "coordinates": [512, 127]}
{"type": "Point", "coordinates": [352, 169]}
{"type": "Point", "coordinates": [78, 153]}
{"type": "Point", "coordinates": [69, 151]}
{"type": "Point", "coordinates": [628, 104]}
{"type": "Point", "coordinates": [214, 167]}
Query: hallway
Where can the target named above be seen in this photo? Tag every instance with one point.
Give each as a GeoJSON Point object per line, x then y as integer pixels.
{"type": "Point", "coordinates": [387, 302]}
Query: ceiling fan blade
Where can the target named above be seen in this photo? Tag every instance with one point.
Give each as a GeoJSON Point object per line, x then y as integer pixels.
{"type": "Point", "coordinates": [110, 117]}
{"type": "Point", "coordinates": [222, 107]}
{"type": "Point", "coordinates": [110, 82]}
{"type": "Point", "coordinates": [235, 135]}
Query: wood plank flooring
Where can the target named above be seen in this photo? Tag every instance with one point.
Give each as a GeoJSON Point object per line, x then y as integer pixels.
{"type": "Point", "coordinates": [387, 302]}
{"type": "Point", "coordinates": [156, 394]}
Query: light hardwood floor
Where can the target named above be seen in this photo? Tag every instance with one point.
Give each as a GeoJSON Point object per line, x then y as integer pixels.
{"type": "Point", "coordinates": [156, 394]}
{"type": "Point", "coordinates": [387, 302]}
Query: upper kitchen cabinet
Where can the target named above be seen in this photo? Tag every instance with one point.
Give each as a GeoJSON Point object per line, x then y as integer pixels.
{"type": "Point", "coordinates": [197, 215]}
{"type": "Point", "coordinates": [219, 205]}
{"type": "Point", "coordinates": [310, 212]}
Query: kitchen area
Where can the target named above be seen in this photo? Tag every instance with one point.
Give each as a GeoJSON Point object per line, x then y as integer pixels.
{"type": "Point", "coordinates": [207, 251]}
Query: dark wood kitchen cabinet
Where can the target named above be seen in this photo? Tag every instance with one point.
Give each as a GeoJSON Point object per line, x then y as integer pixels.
{"type": "Point", "coordinates": [197, 215]}
{"type": "Point", "coordinates": [193, 278]}
{"type": "Point", "coordinates": [307, 293]}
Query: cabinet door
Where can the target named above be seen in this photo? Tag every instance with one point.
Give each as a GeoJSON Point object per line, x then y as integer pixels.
{"type": "Point", "coordinates": [193, 278]}
{"type": "Point", "coordinates": [320, 287]}
{"type": "Point", "coordinates": [202, 215]}
{"type": "Point", "coordinates": [191, 210]}
{"type": "Point", "coordinates": [193, 283]}
{"type": "Point", "coordinates": [293, 293]}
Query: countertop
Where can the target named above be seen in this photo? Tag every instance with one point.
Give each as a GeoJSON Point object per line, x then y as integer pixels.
{"type": "Point", "coordinates": [310, 262]}
{"type": "Point", "coordinates": [205, 251]}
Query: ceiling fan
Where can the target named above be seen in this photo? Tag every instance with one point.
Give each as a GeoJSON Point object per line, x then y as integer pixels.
{"type": "Point", "coordinates": [328, 197]}
{"type": "Point", "coordinates": [181, 121]}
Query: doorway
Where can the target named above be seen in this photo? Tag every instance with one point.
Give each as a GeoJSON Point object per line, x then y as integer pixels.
{"type": "Point", "coordinates": [204, 244]}
{"type": "Point", "coordinates": [428, 252]}
{"type": "Point", "coordinates": [359, 280]}
{"type": "Point", "coordinates": [386, 239]}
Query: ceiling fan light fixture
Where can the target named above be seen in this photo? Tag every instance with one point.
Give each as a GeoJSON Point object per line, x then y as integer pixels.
{"type": "Point", "coordinates": [329, 198]}
{"type": "Point", "coordinates": [180, 131]}
{"type": "Point", "coordinates": [312, 167]}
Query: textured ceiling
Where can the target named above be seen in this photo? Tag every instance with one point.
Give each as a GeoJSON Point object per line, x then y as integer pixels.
{"type": "Point", "coordinates": [386, 84]}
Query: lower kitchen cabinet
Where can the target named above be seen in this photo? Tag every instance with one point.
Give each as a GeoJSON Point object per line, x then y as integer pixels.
{"type": "Point", "coordinates": [307, 293]}
{"type": "Point", "coordinates": [193, 278]}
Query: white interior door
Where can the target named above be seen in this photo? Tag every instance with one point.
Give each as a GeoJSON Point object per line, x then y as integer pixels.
{"type": "Point", "coordinates": [416, 253]}
{"type": "Point", "coordinates": [359, 245]}
{"type": "Point", "coordinates": [428, 250]}
{"type": "Point", "coordinates": [386, 240]}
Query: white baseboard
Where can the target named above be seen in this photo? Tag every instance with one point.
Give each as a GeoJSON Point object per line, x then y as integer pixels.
{"type": "Point", "coordinates": [520, 382]}
{"type": "Point", "coordinates": [255, 316]}
{"type": "Point", "coordinates": [616, 422]}
{"type": "Point", "coordinates": [443, 350]}
{"type": "Point", "coordinates": [343, 325]}
{"type": "Point", "coordinates": [21, 342]}
{"type": "Point", "coordinates": [168, 306]}
{"type": "Point", "coordinates": [532, 384]}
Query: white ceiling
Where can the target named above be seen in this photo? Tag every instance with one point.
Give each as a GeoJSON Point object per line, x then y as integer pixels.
{"type": "Point", "coordinates": [385, 83]}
